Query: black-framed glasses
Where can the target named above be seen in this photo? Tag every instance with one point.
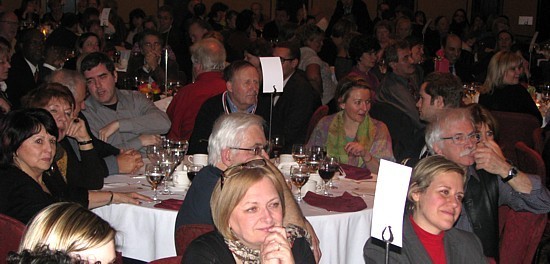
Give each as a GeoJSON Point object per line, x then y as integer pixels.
{"type": "Point", "coordinates": [237, 169]}
{"type": "Point", "coordinates": [256, 149]}
{"type": "Point", "coordinates": [460, 139]}
{"type": "Point", "coordinates": [284, 59]}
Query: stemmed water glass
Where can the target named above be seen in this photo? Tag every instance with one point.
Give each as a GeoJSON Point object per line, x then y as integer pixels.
{"type": "Point", "coordinates": [167, 161]}
{"type": "Point", "coordinates": [153, 153]}
{"type": "Point", "coordinates": [299, 153]}
{"type": "Point", "coordinates": [299, 175]}
{"type": "Point", "coordinates": [314, 157]}
{"type": "Point", "coordinates": [327, 169]}
{"type": "Point", "coordinates": [277, 143]}
{"type": "Point", "coordinates": [155, 174]}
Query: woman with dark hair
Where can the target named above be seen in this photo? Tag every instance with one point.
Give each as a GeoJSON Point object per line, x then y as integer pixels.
{"type": "Point", "coordinates": [137, 19]}
{"type": "Point", "coordinates": [363, 51]}
{"type": "Point", "coordinates": [28, 182]}
{"type": "Point", "coordinates": [459, 24]}
{"type": "Point", "coordinates": [351, 134]}
{"type": "Point", "coordinates": [434, 203]}
{"type": "Point", "coordinates": [216, 17]}
{"type": "Point", "coordinates": [88, 42]}
{"type": "Point", "coordinates": [342, 34]}
{"type": "Point", "coordinates": [27, 13]}
{"type": "Point", "coordinates": [258, 48]}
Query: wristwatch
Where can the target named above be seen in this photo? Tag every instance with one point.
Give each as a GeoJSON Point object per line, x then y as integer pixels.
{"type": "Point", "coordinates": [513, 172]}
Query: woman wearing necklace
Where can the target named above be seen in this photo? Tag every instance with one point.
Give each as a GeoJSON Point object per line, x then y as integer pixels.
{"type": "Point", "coordinates": [351, 134]}
{"type": "Point", "coordinates": [248, 206]}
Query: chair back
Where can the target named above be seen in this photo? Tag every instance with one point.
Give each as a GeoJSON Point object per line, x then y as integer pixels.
{"type": "Point", "coordinates": [321, 112]}
{"type": "Point", "coordinates": [514, 127]}
{"type": "Point", "coordinates": [520, 235]}
{"type": "Point", "coordinates": [187, 233]}
{"type": "Point", "coordinates": [530, 161]}
{"type": "Point", "coordinates": [11, 232]}
{"type": "Point", "coordinates": [169, 260]}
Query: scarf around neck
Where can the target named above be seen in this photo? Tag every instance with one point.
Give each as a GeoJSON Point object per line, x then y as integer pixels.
{"type": "Point", "coordinates": [336, 139]}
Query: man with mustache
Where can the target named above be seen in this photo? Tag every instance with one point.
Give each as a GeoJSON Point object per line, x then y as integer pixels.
{"type": "Point", "coordinates": [242, 81]}
{"type": "Point", "coordinates": [491, 180]}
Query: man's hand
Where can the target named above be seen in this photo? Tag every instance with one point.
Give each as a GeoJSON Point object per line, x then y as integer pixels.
{"type": "Point", "coordinates": [489, 157]}
{"type": "Point", "coordinates": [129, 161]}
{"type": "Point", "coordinates": [108, 130]}
{"type": "Point", "coordinates": [148, 140]}
{"type": "Point", "coordinates": [152, 60]}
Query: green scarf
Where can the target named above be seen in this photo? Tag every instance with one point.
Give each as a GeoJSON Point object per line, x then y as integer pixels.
{"type": "Point", "coordinates": [336, 139]}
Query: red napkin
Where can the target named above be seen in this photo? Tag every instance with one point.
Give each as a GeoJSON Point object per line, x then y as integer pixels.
{"type": "Point", "coordinates": [356, 173]}
{"type": "Point", "coordinates": [170, 204]}
{"type": "Point", "coordinates": [344, 203]}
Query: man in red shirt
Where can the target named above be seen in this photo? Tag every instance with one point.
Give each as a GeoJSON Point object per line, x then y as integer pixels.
{"type": "Point", "coordinates": [208, 57]}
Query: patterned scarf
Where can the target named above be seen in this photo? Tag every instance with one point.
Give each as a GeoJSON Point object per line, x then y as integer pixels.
{"type": "Point", "coordinates": [336, 139]}
{"type": "Point", "coordinates": [252, 256]}
{"type": "Point", "coordinates": [60, 160]}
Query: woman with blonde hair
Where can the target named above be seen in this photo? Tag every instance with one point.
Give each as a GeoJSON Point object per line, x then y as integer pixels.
{"type": "Point", "coordinates": [71, 228]}
{"type": "Point", "coordinates": [248, 207]}
{"type": "Point", "coordinates": [434, 203]}
{"type": "Point", "coordinates": [502, 91]}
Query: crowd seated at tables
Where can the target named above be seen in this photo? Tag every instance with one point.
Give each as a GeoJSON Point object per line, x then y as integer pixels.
{"type": "Point", "coordinates": [388, 82]}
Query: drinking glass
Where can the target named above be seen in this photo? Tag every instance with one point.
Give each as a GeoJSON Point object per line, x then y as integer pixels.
{"type": "Point", "coordinates": [299, 175]}
{"type": "Point", "coordinates": [193, 170]}
{"type": "Point", "coordinates": [545, 93]}
{"type": "Point", "coordinates": [277, 143]}
{"type": "Point", "coordinates": [168, 162]}
{"type": "Point", "coordinates": [314, 157]}
{"type": "Point", "coordinates": [153, 153]}
{"type": "Point", "coordinates": [299, 153]}
{"type": "Point", "coordinates": [327, 169]}
{"type": "Point", "coordinates": [178, 148]}
{"type": "Point", "coordinates": [155, 174]}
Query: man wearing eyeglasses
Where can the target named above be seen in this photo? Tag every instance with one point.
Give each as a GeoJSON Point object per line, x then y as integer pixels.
{"type": "Point", "coordinates": [235, 138]}
{"type": "Point", "coordinates": [491, 180]}
{"type": "Point", "coordinates": [150, 64]}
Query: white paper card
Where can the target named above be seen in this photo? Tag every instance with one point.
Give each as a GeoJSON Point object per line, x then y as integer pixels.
{"type": "Point", "coordinates": [389, 200]}
{"type": "Point", "coordinates": [104, 18]}
{"type": "Point", "coordinates": [272, 72]}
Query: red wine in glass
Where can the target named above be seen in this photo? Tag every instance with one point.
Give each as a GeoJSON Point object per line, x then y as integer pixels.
{"type": "Point", "coordinates": [327, 172]}
{"type": "Point", "coordinates": [191, 175]}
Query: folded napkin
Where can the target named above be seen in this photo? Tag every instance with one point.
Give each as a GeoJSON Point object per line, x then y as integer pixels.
{"type": "Point", "coordinates": [344, 203]}
{"type": "Point", "coordinates": [170, 204]}
{"type": "Point", "coordinates": [356, 173]}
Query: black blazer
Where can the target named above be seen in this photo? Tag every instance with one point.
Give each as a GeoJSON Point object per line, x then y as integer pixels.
{"type": "Point", "coordinates": [20, 80]}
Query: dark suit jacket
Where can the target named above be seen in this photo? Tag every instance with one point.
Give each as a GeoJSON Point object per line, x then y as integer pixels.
{"type": "Point", "coordinates": [460, 247]}
{"type": "Point", "coordinates": [208, 113]}
{"type": "Point", "coordinates": [135, 69]}
{"type": "Point", "coordinates": [360, 15]}
{"type": "Point", "coordinates": [20, 80]}
{"type": "Point", "coordinates": [294, 109]}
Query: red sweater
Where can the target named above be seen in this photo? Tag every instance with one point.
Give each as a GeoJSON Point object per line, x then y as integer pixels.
{"type": "Point", "coordinates": [185, 106]}
{"type": "Point", "coordinates": [432, 243]}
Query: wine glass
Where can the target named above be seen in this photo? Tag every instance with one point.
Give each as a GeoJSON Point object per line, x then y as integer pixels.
{"type": "Point", "coordinates": [178, 148]}
{"type": "Point", "coordinates": [153, 153]}
{"type": "Point", "coordinates": [299, 153]}
{"type": "Point", "coordinates": [168, 162]}
{"type": "Point", "coordinates": [327, 169]}
{"type": "Point", "coordinates": [314, 157]}
{"type": "Point", "coordinates": [299, 175]}
{"type": "Point", "coordinates": [277, 143]}
{"type": "Point", "coordinates": [155, 174]}
{"type": "Point", "coordinates": [193, 170]}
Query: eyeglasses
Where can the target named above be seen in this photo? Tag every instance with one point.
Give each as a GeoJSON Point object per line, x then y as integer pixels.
{"type": "Point", "coordinates": [460, 139]}
{"type": "Point", "coordinates": [237, 169]}
{"type": "Point", "coordinates": [257, 149]}
{"type": "Point", "coordinates": [283, 59]}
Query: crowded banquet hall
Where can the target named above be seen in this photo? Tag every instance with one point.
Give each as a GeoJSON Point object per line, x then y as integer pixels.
{"type": "Point", "coordinates": [231, 131]}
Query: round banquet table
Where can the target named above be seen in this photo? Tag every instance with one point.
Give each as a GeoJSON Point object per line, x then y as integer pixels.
{"type": "Point", "coordinates": [147, 233]}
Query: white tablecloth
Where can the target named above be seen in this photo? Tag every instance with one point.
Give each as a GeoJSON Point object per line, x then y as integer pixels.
{"type": "Point", "coordinates": [147, 233]}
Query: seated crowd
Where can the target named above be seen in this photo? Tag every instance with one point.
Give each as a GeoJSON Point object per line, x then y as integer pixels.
{"type": "Point", "coordinates": [69, 117]}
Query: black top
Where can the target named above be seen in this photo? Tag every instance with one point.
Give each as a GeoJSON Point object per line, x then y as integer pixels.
{"type": "Point", "coordinates": [21, 197]}
{"type": "Point", "coordinates": [211, 248]}
{"type": "Point", "coordinates": [511, 98]}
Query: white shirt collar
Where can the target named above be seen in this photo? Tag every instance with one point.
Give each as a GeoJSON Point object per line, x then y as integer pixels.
{"type": "Point", "coordinates": [33, 67]}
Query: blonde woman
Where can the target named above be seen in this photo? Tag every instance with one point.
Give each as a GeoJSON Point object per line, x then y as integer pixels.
{"type": "Point", "coordinates": [248, 206]}
{"type": "Point", "coordinates": [73, 229]}
{"type": "Point", "coordinates": [502, 91]}
{"type": "Point", "coordinates": [434, 203]}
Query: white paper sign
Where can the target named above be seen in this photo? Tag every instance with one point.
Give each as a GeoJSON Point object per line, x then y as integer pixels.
{"type": "Point", "coordinates": [389, 201]}
{"type": "Point", "coordinates": [104, 18]}
{"type": "Point", "coordinates": [272, 72]}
